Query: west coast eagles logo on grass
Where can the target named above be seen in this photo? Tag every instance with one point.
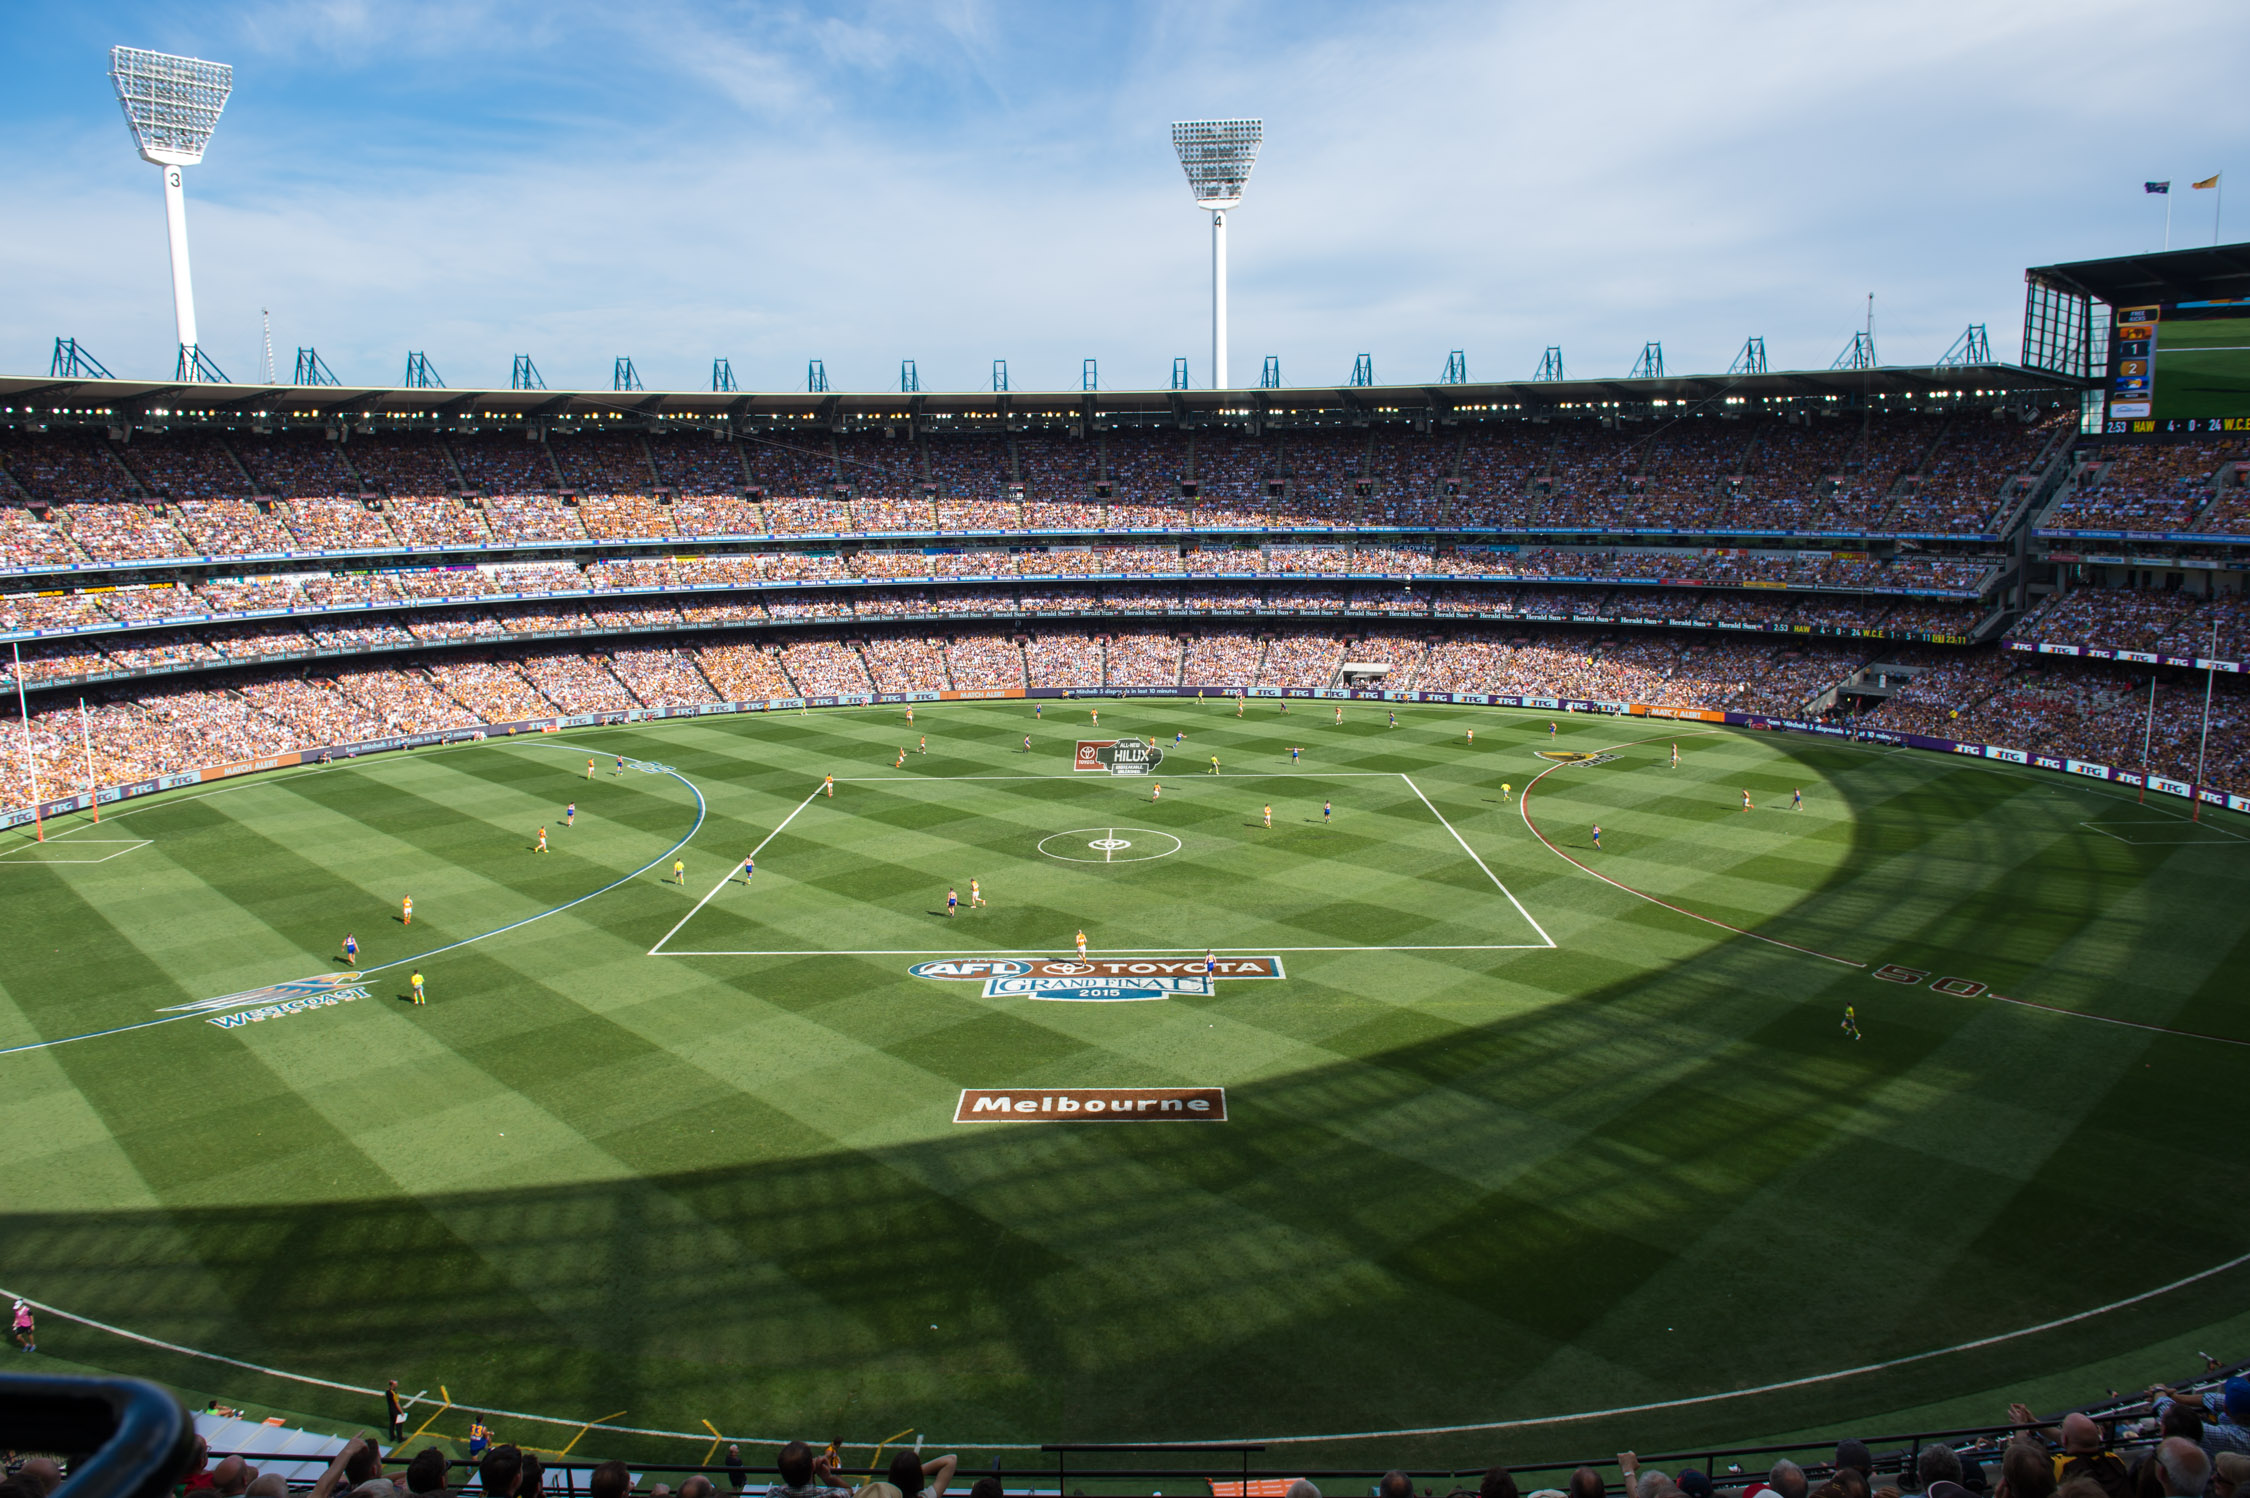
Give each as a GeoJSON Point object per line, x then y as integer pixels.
{"type": "Point", "coordinates": [1116, 757]}
{"type": "Point", "coordinates": [1573, 757]}
{"type": "Point", "coordinates": [1097, 979]}
{"type": "Point", "coordinates": [253, 1005]}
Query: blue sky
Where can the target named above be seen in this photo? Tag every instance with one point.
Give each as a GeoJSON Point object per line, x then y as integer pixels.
{"type": "Point", "coordinates": [955, 182]}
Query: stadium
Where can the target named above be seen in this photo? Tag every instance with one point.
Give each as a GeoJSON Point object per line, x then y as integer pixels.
{"type": "Point", "coordinates": [641, 920]}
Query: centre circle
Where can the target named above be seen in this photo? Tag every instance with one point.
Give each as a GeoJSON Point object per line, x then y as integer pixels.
{"type": "Point", "coordinates": [1109, 845]}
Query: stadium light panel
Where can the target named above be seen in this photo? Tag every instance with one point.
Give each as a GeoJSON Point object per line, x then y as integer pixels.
{"type": "Point", "coordinates": [172, 104]}
{"type": "Point", "coordinates": [1217, 156]}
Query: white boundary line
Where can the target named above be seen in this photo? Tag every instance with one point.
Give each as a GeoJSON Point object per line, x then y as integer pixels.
{"type": "Point", "coordinates": [1464, 842]}
{"type": "Point", "coordinates": [1185, 777]}
{"type": "Point", "coordinates": [132, 844]}
{"type": "Point", "coordinates": [955, 951]}
{"type": "Point", "coordinates": [1518, 1423]}
{"type": "Point", "coordinates": [2168, 842]}
{"type": "Point", "coordinates": [1544, 943]}
{"type": "Point", "coordinates": [723, 878]}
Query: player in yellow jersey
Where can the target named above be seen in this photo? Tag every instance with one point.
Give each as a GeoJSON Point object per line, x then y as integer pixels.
{"type": "Point", "coordinates": [679, 871]}
{"type": "Point", "coordinates": [1746, 806]}
{"type": "Point", "coordinates": [542, 845]}
{"type": "Point", "coordinates": [406, 911]}
{"type": "Point", "coordinates": [1081, 946]}
{"type": "Point", "coordinates": [828, 784]}
{"type": "Point", "coordinates": [976, 894]}
{"type": "Point", "coordinates": [1269, 814]}
{"type": "Point", "coordinates": [414, 982]}
{"type": "Point", "coordinates": [589, 769]}
{"type": "Point", "coordinates": [1505, 789]}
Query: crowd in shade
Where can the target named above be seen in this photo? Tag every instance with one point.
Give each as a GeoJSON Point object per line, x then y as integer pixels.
{"type": "Point", "coordinates": [2164, 1442]}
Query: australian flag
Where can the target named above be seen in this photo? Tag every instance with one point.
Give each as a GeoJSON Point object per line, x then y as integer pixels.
{"type": "Point", "coordinates": [2156, 187]}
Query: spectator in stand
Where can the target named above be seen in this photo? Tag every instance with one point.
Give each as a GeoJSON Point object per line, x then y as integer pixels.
{"type": "Point", "coordinates": [501, 1472]}
{"type": "Point", "coordinates": [1301, 1488]}
{"type": "Point", "coordinates": [2225, 1412]}
{"type": "Point", "coordinates": [2025, 1471]}
{"type": "Point", "coordinates": [915, 1478]}
{"type": "Point", "coordinates": [426, 1474]}
{"type": "Point", "coordinates": [1395, 1484]}
{"type": "Point", "coordinates": [268, 1485]}
{"type": "Point", "coordinates": [2229, 1474]}
{"type": "Point", "coordinates": [2185, 1468]}
{"type": "Point", "coordinates": [1937, 1463]}
{"type": "Point", "coordinates": [233, 1476]}
{"type": "Point", "coordinates": [2082, 1453]}
{"type": "Point", "coordinates": [804, 1475]}
{"type": "Point", "coordinates": [1586, 1483]}
{"type": "Point", "coordinates": [614, 1479]}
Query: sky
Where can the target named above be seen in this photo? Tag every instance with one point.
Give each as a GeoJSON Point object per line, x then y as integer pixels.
{"type": "Point", "coordinates": [956, 182]}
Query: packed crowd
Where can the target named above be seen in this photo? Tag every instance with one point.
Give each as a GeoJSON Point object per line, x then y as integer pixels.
{"type": "Point", "coordinates": [2186, 625]}
{"type": "Point", "coordinates": [2089, 710]}
{"type": "Point", "coordinates": [1934, 474]}
{"type": "Point", "coordinates": [1796, 589]}
{"type": "Point", "coordinates": [162, 648]}
{"type": "Point", "coordinates": [2156, 487]}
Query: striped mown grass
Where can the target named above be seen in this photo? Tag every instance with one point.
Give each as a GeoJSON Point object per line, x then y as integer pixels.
{"type": "Point", "coordinates": [1502, 1181]}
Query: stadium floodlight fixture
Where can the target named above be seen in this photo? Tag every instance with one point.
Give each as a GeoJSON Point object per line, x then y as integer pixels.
{"type": "Point", "coordinates": [1217, 156]}
{"type": "Point", "coordinates": [172, 105]}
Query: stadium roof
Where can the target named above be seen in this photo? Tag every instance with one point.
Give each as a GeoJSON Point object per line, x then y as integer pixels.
{"type": "Point", "coordinates": [2220, 270]}
{"type": "Point", "coordinates": [32, 397]}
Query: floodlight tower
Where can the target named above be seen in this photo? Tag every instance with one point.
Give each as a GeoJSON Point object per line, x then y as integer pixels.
{"type": "Point", "coordinates": [1217, 156]}
{"type": "Point", "coordinates": [172, 105]}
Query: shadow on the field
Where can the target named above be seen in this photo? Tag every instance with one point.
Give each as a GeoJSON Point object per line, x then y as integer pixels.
{"type": "Point", "coordinates": [1635, 1183]}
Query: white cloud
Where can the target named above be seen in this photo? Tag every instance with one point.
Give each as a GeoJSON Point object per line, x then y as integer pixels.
{"type": "Point", "coordinates": [962, 183]}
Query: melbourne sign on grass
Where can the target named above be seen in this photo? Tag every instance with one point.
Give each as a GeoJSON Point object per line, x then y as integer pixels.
{"type": "Point", "coordinates": [1091, 1105]}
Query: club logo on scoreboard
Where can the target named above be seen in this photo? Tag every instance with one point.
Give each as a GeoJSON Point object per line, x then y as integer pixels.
{"type": "Point", "coordinates": [1574, 757]}
{"type": "Point", "coordinates": [1116, 757]}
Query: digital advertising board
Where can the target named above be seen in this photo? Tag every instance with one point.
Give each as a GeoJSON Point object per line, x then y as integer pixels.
{"type": "Point", "coordinates": [2180, 367]}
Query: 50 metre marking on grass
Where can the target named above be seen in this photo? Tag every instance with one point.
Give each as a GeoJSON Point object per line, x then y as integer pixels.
{"type": "Point", "coordinates": [701, 811]}
{"type": "Point", "coordinates": [1523, 805]}
{"type": "Point", "coordinates": [1545, 941]}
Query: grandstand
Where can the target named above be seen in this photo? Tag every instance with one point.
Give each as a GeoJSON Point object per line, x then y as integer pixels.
{"type": "Point", "coordinates": [226, 551]}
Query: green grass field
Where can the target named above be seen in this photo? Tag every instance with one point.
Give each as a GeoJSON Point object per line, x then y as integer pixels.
{"type": "Point", "coordinates": [2203, 367]}
{"type": "Point", "coordinates": [1508, 1143]}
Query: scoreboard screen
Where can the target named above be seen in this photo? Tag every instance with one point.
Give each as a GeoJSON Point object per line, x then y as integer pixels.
{"type": "Point", "coordinates": [2180, 367]}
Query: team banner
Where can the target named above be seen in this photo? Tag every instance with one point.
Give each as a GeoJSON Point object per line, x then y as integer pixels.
{"type": "Point", "coordinates": [1091, 1105]}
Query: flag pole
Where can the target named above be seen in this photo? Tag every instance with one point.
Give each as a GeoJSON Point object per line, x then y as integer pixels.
{"type": "Point", "coordinates": [2210, 674]}
{"type": "Point", "coordinates": [30, 760]}
{"type": "Point", "coordinates": [2167, 217]}
{"type": "Point", "coordinates": [86, 742]}
{"type": "Point", "coordinates": [2148, 732]}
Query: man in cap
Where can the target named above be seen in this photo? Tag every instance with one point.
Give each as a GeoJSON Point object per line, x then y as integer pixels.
{"type": "Point", "coordinates": [2225, 1411]}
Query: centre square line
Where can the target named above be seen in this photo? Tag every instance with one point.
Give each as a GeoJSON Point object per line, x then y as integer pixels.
{"type": "Point", "coordinates": [1546, 942]}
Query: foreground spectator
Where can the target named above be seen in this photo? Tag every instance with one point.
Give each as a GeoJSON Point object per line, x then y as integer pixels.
{"type": "Point", "coordinates": [2225, 1412]}
{"type": "Point", "coordinates": [804, 1475]}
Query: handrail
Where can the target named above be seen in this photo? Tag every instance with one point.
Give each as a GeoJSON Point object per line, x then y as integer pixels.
{"type": "Point", "coordinates": [132, 1438]}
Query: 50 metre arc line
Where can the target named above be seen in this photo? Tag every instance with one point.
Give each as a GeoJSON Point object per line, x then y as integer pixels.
{"type": "Point", "coordinates": [701, 811]}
